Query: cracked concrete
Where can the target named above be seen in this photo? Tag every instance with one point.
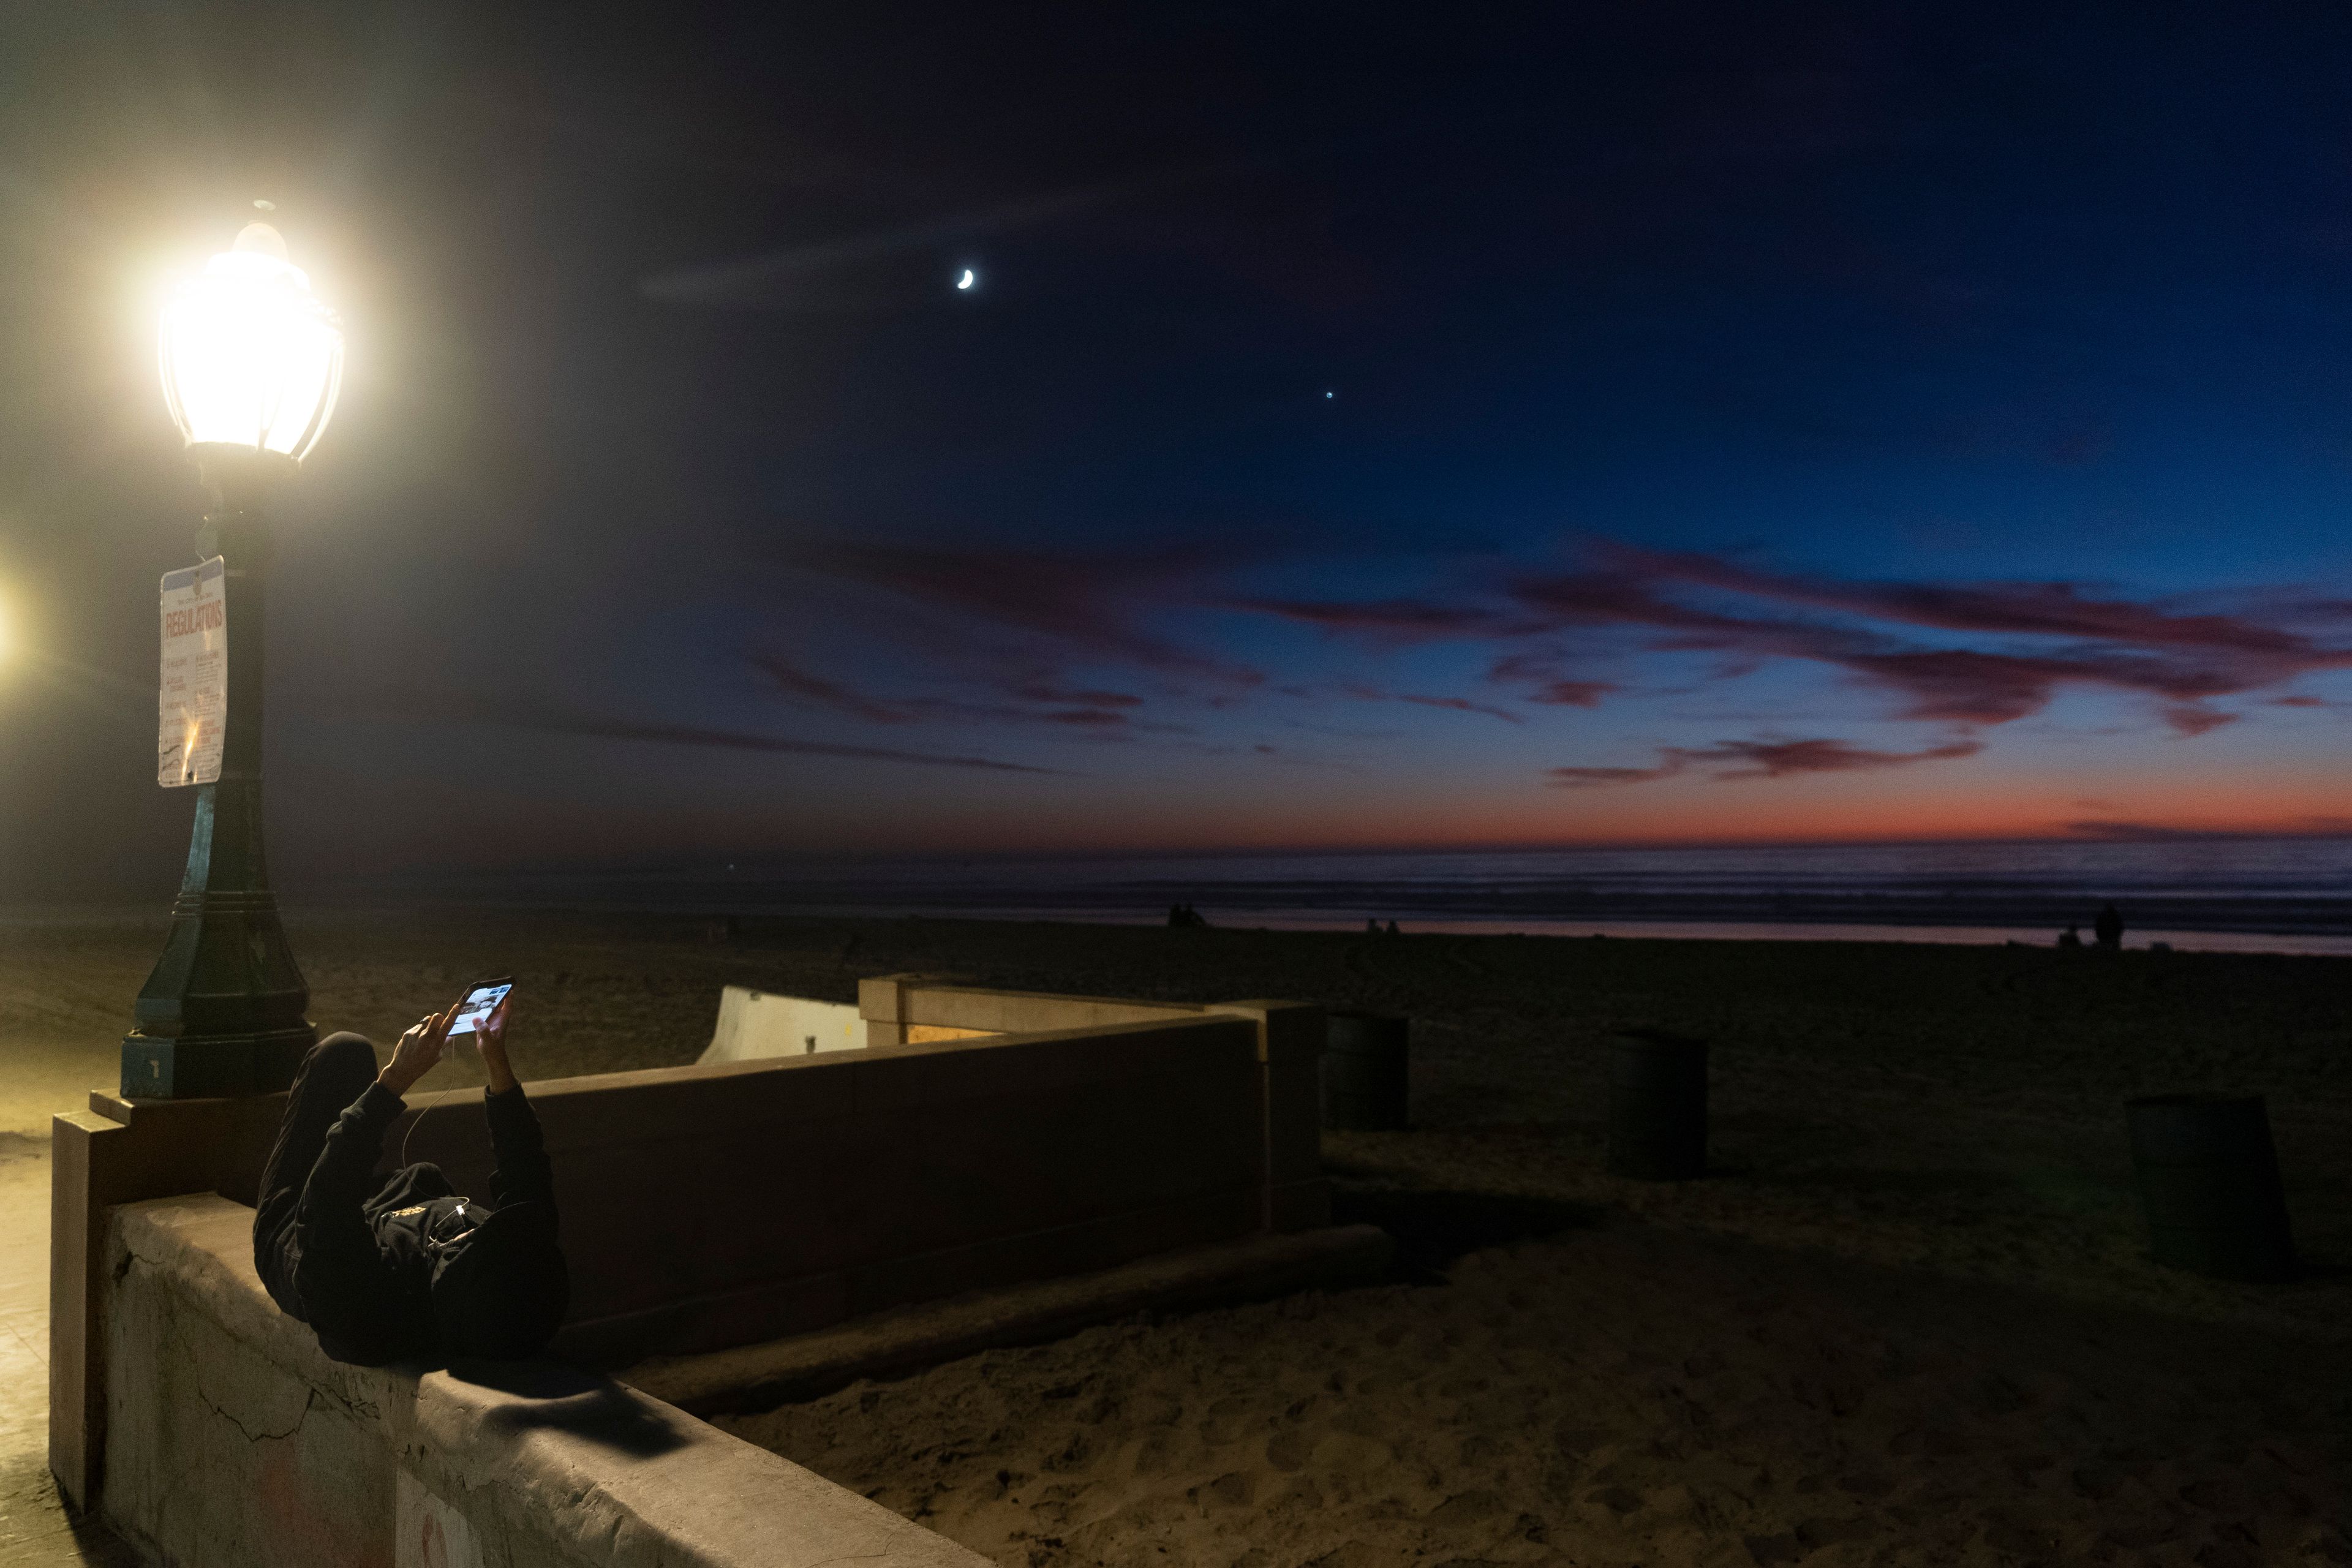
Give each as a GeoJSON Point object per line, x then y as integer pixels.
{"type": "Point", "coordinates": [247, 1433]}
{"type": "Point", "coordinates": [36, 1531]}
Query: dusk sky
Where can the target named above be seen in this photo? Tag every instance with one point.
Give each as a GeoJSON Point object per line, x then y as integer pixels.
{"type": "Point", "coordinates": [1409, 427]}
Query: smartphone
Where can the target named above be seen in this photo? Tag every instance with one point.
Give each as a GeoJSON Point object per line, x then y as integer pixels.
{"type": "Point", "coordinates": [480, 1001]}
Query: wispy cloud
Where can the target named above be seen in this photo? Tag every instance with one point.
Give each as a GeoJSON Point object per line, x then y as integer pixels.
{"type": "Point", "coordinates": [2058, 634]}
{"type": "Point", "coordinates": [794, 681]}
{"type": "Point", "coordinates": [558, 718]}
{"type": "Point", "coordinates": [1762, 760]}
{"type": "Point", "coordinates": [2189, 718]}
{"type": "Point", "coordinates": [1451, 704]}
{"type": "Point", "coordinates": [1402, 621]}
{"type": "Point", "coordinates": [1033, 703]}
{"type": "Point", "coordinates": [2040, 609]}
{"type": "Point", "coordinates": [2182, 658]}
{"type": "Point", "coordinates": [1094, 605]}
{"type": "Point", "coordinates": [739, 740]}
{"type": "Point", "coordinates": [1971, 656]}
{"type": "Point", "coordinates": [1544, 675]}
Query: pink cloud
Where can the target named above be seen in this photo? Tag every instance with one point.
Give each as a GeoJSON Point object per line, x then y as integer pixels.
{"type": "Point", "coordinates": [2182, 659]}
{"type": "Point", "coordinates": [2044, 609]}
{"type": "Point", "coordinates": [1102, 710]}
{"type": "Point", "coordinates": [793, 681]}
{"type": "Point", "coordinates": [1542, 671]}
{"type": "Point", "coordinates": [1571, 693]}
{"type": "Point", "coordinates": [1096, 604]}
{"type": "Point", "coordinates": [1386, 620]}
{"type": "Point", "coordinates": [2179, 657]}
{"type": "Point", "coordinates": [1454, 704]}
{"type": "Point", "coordinates": [1762, 760]}
{"type": "Point", "coordinates": [2191, 720]}
{"type": "Point", "coordinates": [1972, 654]}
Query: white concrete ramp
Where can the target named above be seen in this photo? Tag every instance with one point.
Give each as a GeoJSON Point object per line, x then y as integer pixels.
{"type": "Point", "coordinates": [757, 1023]}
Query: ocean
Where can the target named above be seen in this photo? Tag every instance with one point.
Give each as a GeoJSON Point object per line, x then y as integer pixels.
{"type": "Point", "coordinates": [2248, 894]}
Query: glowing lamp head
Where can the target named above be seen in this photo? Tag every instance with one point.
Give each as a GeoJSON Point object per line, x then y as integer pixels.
{"type": "Point", "coordinates": [250, 357]}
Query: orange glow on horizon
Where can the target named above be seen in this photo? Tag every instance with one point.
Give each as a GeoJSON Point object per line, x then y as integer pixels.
{"type": "Point", "coordinates": [1795, 811]}
{"type": "Point", "coordinates": [1028, 817]}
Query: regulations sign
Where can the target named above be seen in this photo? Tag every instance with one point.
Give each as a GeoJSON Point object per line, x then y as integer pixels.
{"type": "Point", "coordinates": [193, 705]}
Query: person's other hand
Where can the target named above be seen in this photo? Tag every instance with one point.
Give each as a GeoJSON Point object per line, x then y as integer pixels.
{"type": "Point", "coordinates": [491, 1039]}
{"type": "Point", "coordinates": [419, 1048]}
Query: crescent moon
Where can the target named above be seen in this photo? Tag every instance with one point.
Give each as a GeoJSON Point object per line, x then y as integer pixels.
{"type": "Point", "coordinates": [964, 281]}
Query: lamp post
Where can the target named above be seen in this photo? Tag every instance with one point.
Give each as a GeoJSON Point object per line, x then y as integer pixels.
{"type": "Point", "coordinates": [251, 362]}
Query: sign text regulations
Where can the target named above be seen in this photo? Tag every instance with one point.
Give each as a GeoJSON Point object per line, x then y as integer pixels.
{"type": "Point", "coordinates": [194, 705]}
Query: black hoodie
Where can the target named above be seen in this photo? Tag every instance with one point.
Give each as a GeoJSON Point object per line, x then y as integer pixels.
{"type": "Point", "coordinates": [366, 1253]}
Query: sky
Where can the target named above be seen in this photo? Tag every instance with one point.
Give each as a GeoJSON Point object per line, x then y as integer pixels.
{"type": "Point", "coordinates": [1365, 428]}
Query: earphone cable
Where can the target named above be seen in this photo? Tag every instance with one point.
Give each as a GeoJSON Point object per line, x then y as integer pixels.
{"type": "Point", "coordinates": [438, 1095]}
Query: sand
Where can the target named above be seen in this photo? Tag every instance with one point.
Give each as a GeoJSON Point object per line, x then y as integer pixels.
{"type": "Point", "coordinates": [1908, 1319]}
{"type": "Point", "coordinates": [1623, 1396]}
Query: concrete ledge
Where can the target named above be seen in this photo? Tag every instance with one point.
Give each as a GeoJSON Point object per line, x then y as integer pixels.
{"type": "Point", "coordinates": [235, 1439]}
{"type": "Point", "coordinates": [762, 1376]}
{"type": "Point", "coordinates": [1098, 1131]}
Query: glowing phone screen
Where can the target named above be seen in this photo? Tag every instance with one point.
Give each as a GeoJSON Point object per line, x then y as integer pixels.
{"type": "Point", "coordinates": [478, 1005]}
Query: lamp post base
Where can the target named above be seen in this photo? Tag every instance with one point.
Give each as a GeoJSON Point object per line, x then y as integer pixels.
{"type": "Point", "coordinates": [222, 1012]}
{"type": "Point", "coordinates": [201, 1067]}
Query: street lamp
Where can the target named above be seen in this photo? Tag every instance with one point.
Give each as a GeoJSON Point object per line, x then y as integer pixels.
{"type": "Point", "coordinates": [251, 362]}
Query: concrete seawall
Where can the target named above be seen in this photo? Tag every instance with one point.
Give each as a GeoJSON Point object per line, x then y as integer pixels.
{"type": "Point", "coordinates": [710, 1207]}
{"type": "Point", "coordinates": [231, 1438]}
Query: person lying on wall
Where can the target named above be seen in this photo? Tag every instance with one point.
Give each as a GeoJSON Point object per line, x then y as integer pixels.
{"type": "Point", "coordinates": [388, 1269]}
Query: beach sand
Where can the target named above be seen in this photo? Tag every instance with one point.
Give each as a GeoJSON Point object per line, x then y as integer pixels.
{"type": "Point", "coordinates": [1908, 1318]}
{"type": "Point", "coordinates": [1621, 1396]}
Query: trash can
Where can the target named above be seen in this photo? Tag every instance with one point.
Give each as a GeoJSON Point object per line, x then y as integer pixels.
{"type": "Point", "coordinates": [1365, 1070]}
{"type": "Point", "coordinates": [1657, 1106]}
{"type": "Point", "coordinates": [2209, 1180]}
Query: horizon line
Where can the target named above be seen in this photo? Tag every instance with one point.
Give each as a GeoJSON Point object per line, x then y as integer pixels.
{"type": "Point", "coordinates": [754, 862]}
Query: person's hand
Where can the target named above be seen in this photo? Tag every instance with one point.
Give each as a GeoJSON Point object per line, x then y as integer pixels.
{"type": "Point", "coordinates": [419, 1048]}
{"type": "Point", "coordinates": [491, 1039]}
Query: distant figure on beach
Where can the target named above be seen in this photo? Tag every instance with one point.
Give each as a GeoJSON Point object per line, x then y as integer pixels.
{"type": "Point", "coordinates": [1182, 915]}
{"type": "Point", "coordinates": [385, 1268]}
{"type": "Point", "coordinates": [1175, 916]}
{"type": "Point", "coordinates": [2109, 929]}
{"type": "Point", "coordinates": [1392, 930]}
{"type": "Point", "coordinates": [2071, 937]}
{"type": "Point", "coordinates": [1371, 928]}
